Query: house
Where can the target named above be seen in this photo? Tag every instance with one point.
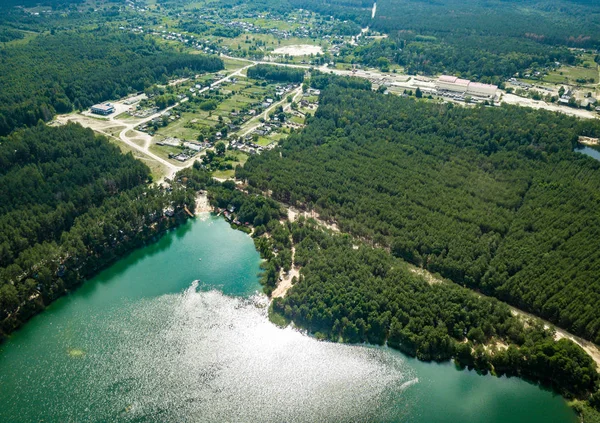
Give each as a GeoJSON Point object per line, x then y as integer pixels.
{"type": "Point", "coordinates": [169, 211]}
{"type": "Point", "coordinates": [590, 101]}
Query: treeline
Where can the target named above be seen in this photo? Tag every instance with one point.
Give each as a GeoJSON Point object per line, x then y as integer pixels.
{"type": "Point", "coordinates": [71, 205]}
{"type": "Point", "coordinates": [488, 59]}
{"type": "Point", "coordinates": [320, 81]}
{"type": "Point", "coordinates": [9, 34]}
{"type": "Point", "coordinates": [59, 73]}
{"type": "Point", "coordinates": [491, 198]}
{"type": "Point", "coordinates": [276, 73]}
{"type": "Point", "coordinates": [550, 22]}
{"type": "Point", "coordinates": [50, 176]}
{"type": "Point", "coordinates": [356, 295]}
{"type": "Point", "coordinates": [485, 41]}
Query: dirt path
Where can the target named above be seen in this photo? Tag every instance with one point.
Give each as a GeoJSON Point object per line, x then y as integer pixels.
{"type": "Point", "coordinates": [251, 126]}
{"type": "Point", "coordinates": [134, 139]}
{"type": "Point", "coordinates": [286, 282]}
{"type": "Point", "coordinates": [592, 349]}
{"type": "Point", "coordinates": [293, 214]}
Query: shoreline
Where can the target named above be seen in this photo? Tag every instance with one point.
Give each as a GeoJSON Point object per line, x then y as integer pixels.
{"type": "Point", "coordinates": [202, 204]}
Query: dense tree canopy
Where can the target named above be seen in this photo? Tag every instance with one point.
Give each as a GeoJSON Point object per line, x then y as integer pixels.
{"type": "Point", "coordinates": [58, 73]}
{"type": "Point", "coordinates": [364, 294]}
{"type": "Point", "coordinates": [493, 198]}
{"type": "Point", "coordinates": [276, 73]}
{"type": "Point", "coordinates": [70, 204]}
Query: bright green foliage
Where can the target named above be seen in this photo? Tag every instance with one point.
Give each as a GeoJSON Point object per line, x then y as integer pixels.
{"type": "Point", "coordinates": [59, 73]}
{"type": "Point", "coordinates": [276, 73]}
{"type": "Point", "coordinates": [70, 204]}
{"type": "Point", "coordinates": [488, 41]}
{"type": "Point", "coordinates": [366, 295]}
{"type": "Point", "coordinates": [493, 198]}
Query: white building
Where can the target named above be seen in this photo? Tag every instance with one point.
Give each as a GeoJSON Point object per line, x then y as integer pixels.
{"type": "Point", "coordinates": [481, 90]}
{"type": "Point", "coordinates": [103, 109]}
{"type": "Point", "coordinates": [452, 83]}
{"type": "Point", "coordinates": [464, 86]}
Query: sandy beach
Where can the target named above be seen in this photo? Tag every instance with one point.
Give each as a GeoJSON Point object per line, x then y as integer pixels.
{"type": "Point", "coordinates": [202, 204]}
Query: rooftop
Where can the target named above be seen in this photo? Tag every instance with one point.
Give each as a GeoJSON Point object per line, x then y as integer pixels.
{"type": "Point", "coordinates": [105, 107]}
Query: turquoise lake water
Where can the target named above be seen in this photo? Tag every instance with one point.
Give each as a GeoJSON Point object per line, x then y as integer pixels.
{"type": "Point", "coordinates": [162, 336]}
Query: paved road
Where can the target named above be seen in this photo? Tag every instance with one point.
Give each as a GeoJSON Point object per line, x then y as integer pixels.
{"type": "Point", "coordinates": [252, 126]}
{"type": "Point", "coordinates": [130, 127]}
{"type": "Point", "coordinates": [418, 81]}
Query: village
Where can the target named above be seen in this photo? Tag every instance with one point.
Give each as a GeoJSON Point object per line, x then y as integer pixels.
{"type": "Point", "coordinates": [173, 125]}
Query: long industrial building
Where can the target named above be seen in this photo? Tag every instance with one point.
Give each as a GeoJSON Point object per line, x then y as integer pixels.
{"type": "Point", "coordinates": [464, 86]}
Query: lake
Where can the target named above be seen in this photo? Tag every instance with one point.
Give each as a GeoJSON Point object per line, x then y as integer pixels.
{"type": "Point", "coordinates": [588, 151]}
{"type": "Point", "coordinates": [178, 332]}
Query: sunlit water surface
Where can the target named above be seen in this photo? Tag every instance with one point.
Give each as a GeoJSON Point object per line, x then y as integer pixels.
{"type": "Point", "coordinates": [163, 336]}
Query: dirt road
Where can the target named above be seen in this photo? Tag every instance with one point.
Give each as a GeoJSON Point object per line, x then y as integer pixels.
{"type": "Point", "coordinates": [132, 137]}
{"type": "Point", "coordinates": [592, 349]}
{"type": "Point", "coordinates": [252, 124]}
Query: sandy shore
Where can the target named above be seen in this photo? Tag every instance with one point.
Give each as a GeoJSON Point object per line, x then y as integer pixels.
{"type": "Point", "coordinates": [589, 140]}
{"type": "Point", "coordinates": [293, 214]}
{"type": "Point", "coordinates": [592, 349]}
{"type": "Point", "coordinates": [202, 204]}
{"type": "Point", "coordinates": [286, 283]}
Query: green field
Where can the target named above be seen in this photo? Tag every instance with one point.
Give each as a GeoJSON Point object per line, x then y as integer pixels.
{"type": "Point", "coordinates": [156, 169]}
{"type": "Point", "coordinates": [237, 158]}
{"type": "Point", "coordinates": [163, 151]}
{"type": "Point", "coordinates": [233, 65]}
{"type": "Point", "coordinates": [178, 128]}
{"type": "Point", "coordinates": [570, 74]}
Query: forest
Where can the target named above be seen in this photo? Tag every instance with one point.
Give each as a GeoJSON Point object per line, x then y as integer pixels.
{"type": "Point", "coordinates": [74, 70]}
{"type": "Point", "coordinates": [355, 293]}
{"type": "Point", "coordinates": [71, 204]}
{"type": "Point", "coordinates": [488, 59]}
{"type": "Point", "coordinates": [491, 198]}
{"type": "Point", "coordinates": [486, 41]}
{"type": "Point", "coordinates": [276, 73]}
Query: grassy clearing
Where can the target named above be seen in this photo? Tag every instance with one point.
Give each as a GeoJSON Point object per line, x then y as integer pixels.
{"type": "Point", "coordinates": [178, 128]}
{"type": "Point", "coordinates": [270, 41]}
{"type": "Point", "coordinates": [235, 158]}
{"type": "Point", "coordinates": [233, 65]}
{"type": "Point", "coordinates": [114, 130]}
{"type": "Point", "coordinates": [29, 35]}
{"type": "Point", "coordinates": [224, 174]}
{"type": "Point", "coordinates": [163, 151]}
{"type": "Point", "coordinates": [157, 169]}
{"type": "Point", "coordinates": [125, 116]}
{"type": "Point", "coordinates": [264, 141]}
{"type": "Point", "coordinates": [570, 74]}
{"type": "Point", "coordinates": [297, 119]}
